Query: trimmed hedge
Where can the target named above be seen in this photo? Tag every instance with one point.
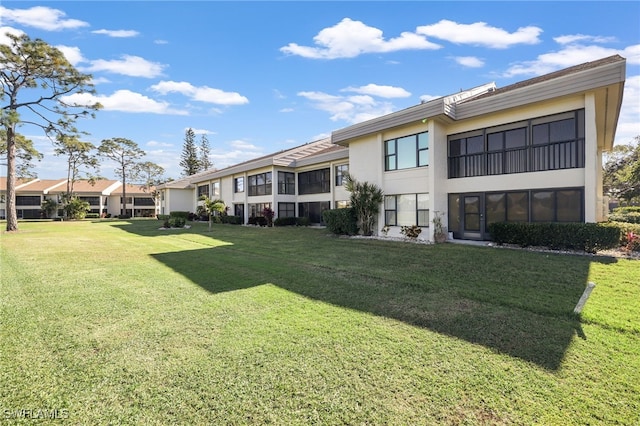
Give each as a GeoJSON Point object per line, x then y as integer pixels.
{"type": "Point", "coordinates": [341, 221]}
{"type": "Point", "coordinates": [163, 217]}
{"type": "Point", "coordinates": [628, 217]}
{"type": "Point", "coordinates": [184, 215]}
{"type": "Point", "coordinates": [589, 237]}
{"type": "Point", "coordinates": [285, 221]}
{"type": "Point", "coordinates": [233, 220]}
{"type": "Point", "coordinates": [92, 216]}
{"type": "Point", "coordinates": [259, 220]}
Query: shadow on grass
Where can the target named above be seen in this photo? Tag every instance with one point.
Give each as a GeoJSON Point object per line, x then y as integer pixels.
{"type": "Point", "coordinates": [463, 292]}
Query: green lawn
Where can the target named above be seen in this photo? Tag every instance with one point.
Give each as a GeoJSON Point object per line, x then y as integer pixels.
{"type": "Point", "coordinates": [118, 322]}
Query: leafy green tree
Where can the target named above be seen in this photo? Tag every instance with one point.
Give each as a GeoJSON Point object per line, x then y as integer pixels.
{"type": "Point", "coordinates": [26, 153]}
{"type": "Point", "coordinates": [49, 207]}
{"type": "Point", "coordinates": [211, 206]}
{"type": "Point", "coordinates": [38, 79]}
{"type": "Point", "coordinates": [205, 153]}
{"type": "Point", "coordinates": [366, 199]}
{"type": "Point", "coordinates": [151, 175]}
{"type": "Point", "coordinates": [77, 209]}
{"type": "Point", "coordinates": [125, 153]}
{"type": "Point", "coordinates": [81, 162]}
{"type": "Point", "coordinates": [189, 160]}
{"type": "Point", "coordinates": [621, 176]}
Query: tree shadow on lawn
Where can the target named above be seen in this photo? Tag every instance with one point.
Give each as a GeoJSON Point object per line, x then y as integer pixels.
{"type": "Point", "coordinates": [525, 323]}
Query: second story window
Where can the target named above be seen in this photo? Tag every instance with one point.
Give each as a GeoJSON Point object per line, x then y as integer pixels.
{"type": "Point", "coordinates": [238, 184]}
{"type": "Point", "coordinates": [203, 190]}
{"type": "Point", "coordinates": [286, 183]}
{"type": "Point", "coordinates": [407, 152]}
{"type": "Point", "coordinates": [260, 184]}
{"type": "Point", "coordinates": [341, 172]}
{"type": "Point", "coordinates": [314, 182]}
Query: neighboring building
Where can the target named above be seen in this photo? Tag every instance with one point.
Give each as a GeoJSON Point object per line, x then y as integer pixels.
{"type": "Point", "coordinates": [299, 182]}
{"type": "Point", "coordinates": [104, 197]}
{"type": "Point", "coordinates": [528, 152]}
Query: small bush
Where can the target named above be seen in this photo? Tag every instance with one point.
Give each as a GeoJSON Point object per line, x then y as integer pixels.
{"type": "Point", "coordinates": [163, 217]}
{"type": "Point", "coordinates": [233, 220]}
{"type": "Point", "coordinates": [184, 215]}
{"type": "Point", "coordinates": [412, 231]}
{"type": "Point", "coordinates": [259, 221]}
{"type": "Point", "coordinates": [177, 222]}
{"type": "Point", "coordinates": [124, 216]}
{"type": "Point", "coordinates": [627, 209]}
{"type": "Point", "coordinates": [589, 237]}
{"type": "Point", "coordinates": [628, 217]}
{"type": "Point", "coordinates": [166, 224]}
{"type": "Point", "coordinates": [285, 221]}
{"type": "Point", "coordinates": [92, 216]}
{"type": "Point", "coordinates": [341, 221]}
{"type": "Point", "coordinates": [303, 221]}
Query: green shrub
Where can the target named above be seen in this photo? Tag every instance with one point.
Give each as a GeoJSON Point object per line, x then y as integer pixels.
{"type": "Point", "coordinates": [124, 216]}
{"type": "Point", "coordinates": [589, 237]}
{"type": "Point", "coordinates": [163, 217]}
{"type": "Point", "coordinates": [341, 221]}
{"type": "Point", "coordinates": [627, 216]}
{"type": "Point", "coordinates": [285, 221]}
{"type": "Point", "coordinates": [259, 221]}
{"type": "Point", "coordinates": [303, 221]}
{"type": "Point", "coordinates": [184, 215]}
{"type": "Point", "coordinates": [92, 216]}
{"type": "Point", "coordinates": [626, 230]}
{"type": "Point", "coordinates": [177, 222]}
{"type": "Point", "coordinates": [233, 220]}
{"type": "Point", "coordinates": [627, 209]}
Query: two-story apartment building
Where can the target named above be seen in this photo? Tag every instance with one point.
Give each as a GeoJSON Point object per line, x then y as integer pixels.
{"type": "Point", "coordinates": [298, 182]}
{"type": "Point", "coordinates": [528, 152]}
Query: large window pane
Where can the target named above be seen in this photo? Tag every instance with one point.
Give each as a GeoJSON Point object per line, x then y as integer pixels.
{"type": "Point", "coordinates": [562, 130]}
{"type": "Point", "coordinates": [495, 142]}
{"type": "Point", "coordinates": [457, 147]}
{"type": "Point", "coordinates": [475, 145]}
{"type": "Point", "coordinates": [542, 206]}
{"type": "Point", "coordinates": [516, 138]}
{"type": "Point", "coordinates": [406, 209]}
{"type": "Point", "coordinates": [406, 152]}
{"type": "Point", "coordinates": [569, 206]}
{"type": "Point", "coordinates": [495, 206]}
{"type": "Point", "coordinates": [518, 207]}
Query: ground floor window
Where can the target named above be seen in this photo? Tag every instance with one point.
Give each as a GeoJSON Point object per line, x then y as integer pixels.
{"type": "Point", "coordinates": [313, 210]}
{"type": "Point", "coordinates": [406, 210]}
{"type": "Point", "coordinates": [238, 210]}
{"type": "Point", "coordinates": [255, 210]}
{"type": "Point", "coordinates": [286, 209]}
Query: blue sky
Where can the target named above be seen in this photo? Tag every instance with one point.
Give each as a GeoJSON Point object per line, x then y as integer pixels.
{"type": "Point", "coordinates": [259, 77]}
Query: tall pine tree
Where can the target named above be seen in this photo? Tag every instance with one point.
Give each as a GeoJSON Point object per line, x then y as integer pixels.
{"type": "Point", "coordinates": [205, 152]}
{"type": "Point", "coordinates": [189, 160]}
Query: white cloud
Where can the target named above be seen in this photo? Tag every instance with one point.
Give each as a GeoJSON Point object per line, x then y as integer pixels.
{"type": "Point", "coordinates": [200, 131]}
{"type": "Point", "coordinates": [352, 109]}
{"type": "Point", "coordinates": [573, 38]}
{"type": "Point", "coordinates": [286, 110]}
{"type": "Point", "coordinates": [469, 61]}
{"type": "Point", "coordinates": [570, 55]}
{"type": "Point", "coordinates": [480, 34]}
{"type": "Point", "coordinates": [348, 39]}
{"type": "Point", "coordinates": [202, 93]}
{"type": "Point", "coordinates": [117, 33]}
{"type": "Point", "coordinates": [159, 144]}
{"type": "Point", "coordinates": [427, 98]}
{"type": "Point", "coordinates": [133, 66]}
{"type": "Point", "coordinates": [125, 101]}
{"type": "Point", "coordinates": [629, 124]}
{"type": "Point", "coordinates": [380, 91]}
{"type": "Point", "coordinates": [160, 42]}
{"type": "Point", "coordinates": [73, 54]}
{"type": "Point", "coordinates": [240, 151]}
{"type": "Point", "coordinates": [41, 17]}
{"type": "Point", "coordinates": [3, 34]}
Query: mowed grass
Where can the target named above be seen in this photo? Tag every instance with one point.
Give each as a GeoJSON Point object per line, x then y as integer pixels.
{"type": "Point", "coordinates": [121, 323]}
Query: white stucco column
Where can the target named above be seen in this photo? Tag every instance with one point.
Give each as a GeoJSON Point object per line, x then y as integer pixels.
{"type": "Point", "coordinates": [437, 173]}
{"type": "Point", "coordinates": [592, 162]}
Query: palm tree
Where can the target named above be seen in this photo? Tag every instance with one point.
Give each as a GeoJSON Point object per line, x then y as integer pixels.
{"type": "Point", "coordinates": [210, 206]}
